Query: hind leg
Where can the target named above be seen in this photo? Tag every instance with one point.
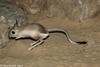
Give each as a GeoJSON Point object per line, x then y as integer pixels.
{"type": "Point", "coordinates": [36, 44]}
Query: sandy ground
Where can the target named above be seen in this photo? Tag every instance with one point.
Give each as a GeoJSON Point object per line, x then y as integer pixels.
{"type": "Point", "coordinates": [56, 51]}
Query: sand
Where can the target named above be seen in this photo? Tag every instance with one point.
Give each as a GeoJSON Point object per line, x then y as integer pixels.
{"type": "Point", "coordinates": [57, 51]}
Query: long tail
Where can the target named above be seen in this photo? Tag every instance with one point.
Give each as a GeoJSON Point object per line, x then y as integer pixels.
{"type": "Point", "coordinates": [67, 35]}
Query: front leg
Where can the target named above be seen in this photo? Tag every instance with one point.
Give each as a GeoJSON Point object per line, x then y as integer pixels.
{"type": "Point", "coordinates": [40, 42]}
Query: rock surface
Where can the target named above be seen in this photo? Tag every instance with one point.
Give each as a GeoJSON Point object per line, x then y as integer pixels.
{"type": "Point", "coordinates": [77, 10]}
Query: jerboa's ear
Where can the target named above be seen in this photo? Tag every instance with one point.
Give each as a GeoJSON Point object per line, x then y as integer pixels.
{"type": "Point", "coordinates": [16, 24]}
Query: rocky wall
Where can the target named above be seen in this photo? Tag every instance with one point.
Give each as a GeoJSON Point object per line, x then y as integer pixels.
{"type": "Point", "coordinates": [73, 9]}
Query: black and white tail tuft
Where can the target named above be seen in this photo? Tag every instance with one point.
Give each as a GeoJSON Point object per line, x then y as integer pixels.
{"type": "Point", "coordinates": [67, 35]}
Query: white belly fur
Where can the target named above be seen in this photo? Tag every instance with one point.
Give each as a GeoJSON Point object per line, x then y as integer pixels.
{"type": "Point", "coordinates": [44, 35]}
{"type": "Point", "coordinates": [32, 34]}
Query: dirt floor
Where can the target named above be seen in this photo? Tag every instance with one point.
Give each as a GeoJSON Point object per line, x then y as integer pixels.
{"type": "Point", "coordinates": [56, 51]}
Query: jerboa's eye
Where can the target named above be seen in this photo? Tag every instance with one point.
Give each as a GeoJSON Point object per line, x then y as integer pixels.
{"type": "Point", "coordinates": [13, 32]}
